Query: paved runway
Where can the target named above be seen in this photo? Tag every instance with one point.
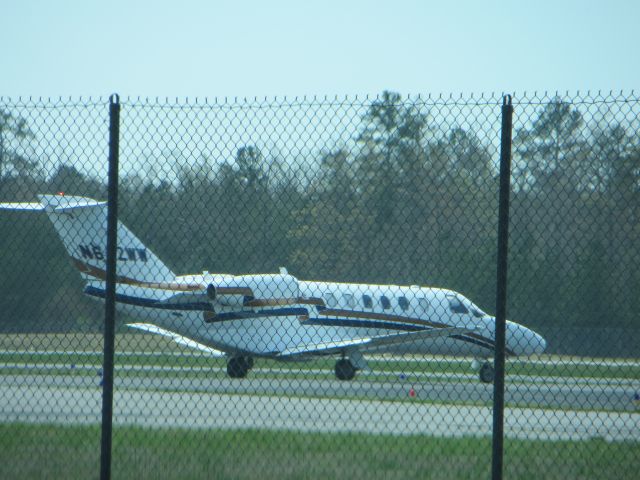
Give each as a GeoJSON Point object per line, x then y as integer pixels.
{"type": "Point", "coordinates": [282, 404]}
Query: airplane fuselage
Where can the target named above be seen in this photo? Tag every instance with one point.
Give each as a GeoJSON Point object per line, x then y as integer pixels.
{"type": "Point", "coordinates": [309, 313]}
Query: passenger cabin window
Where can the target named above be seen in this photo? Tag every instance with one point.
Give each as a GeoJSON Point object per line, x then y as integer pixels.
{"type": "Point", "coordinates": [366, 301]}
{"type": "Point", "coordinates": [330, 299]}
{"type": "Point", "coordinates": [403, 303]}
{"type": "Point", "coordinates": [349, 300]}
{"type": "Point", "coordinates": [384, 301]}
{"type": "Point", "coordinates": [456, 305]}
{"type": "Point", "coordinates": [423, 305]}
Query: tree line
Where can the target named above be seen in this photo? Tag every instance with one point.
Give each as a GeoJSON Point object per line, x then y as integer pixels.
{"type": "Point", "coordinates": [398, 205]}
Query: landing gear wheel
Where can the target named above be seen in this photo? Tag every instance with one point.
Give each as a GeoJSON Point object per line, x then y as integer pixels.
{"type": "Point", "coordinates": [237, 367]}
{"type": "Point", "coordinates": [345, 369]}
{"type": "Point", "coordinates": [486, 373]}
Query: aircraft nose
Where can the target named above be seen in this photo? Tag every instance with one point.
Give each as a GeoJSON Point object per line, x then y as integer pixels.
{"type": "Point", "coordinates": [541, 344]}
{"type": "Point", "coordinates": [523, 341]}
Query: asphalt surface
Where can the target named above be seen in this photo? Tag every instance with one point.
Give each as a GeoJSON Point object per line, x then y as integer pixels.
{"type": "Point", "coordinates": [573, 393]}
{"type": "Point", "coordinates": [574, 410]}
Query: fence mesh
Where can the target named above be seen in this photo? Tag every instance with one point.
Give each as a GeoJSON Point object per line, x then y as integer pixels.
{"type": "Point", "coordinates": [302, 287]}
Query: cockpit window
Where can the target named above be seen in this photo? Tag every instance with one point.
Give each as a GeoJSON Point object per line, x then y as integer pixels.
{"type": "Point", "coordinates": [456, 305]}
{"type": "Point", "coordinates": [475, 310]}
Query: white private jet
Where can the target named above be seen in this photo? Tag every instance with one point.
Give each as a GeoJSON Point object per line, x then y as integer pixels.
{"type": "Point", "coordinates": [274, 316]}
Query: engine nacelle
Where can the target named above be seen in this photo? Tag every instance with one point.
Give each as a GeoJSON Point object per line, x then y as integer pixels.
{"type": "Point", "coordinates": [239, 290]}
{"type": "Point", "coordinates": [211, 292]}
{"type": "Point", "coordinates": [230, 300]}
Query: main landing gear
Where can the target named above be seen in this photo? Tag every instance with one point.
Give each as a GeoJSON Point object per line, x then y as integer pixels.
{"type": "Point", "coordinates": [345, 370]}
{"type": "Point", "coordinates": [238, 367]}
{"type": "Point", "coordinates": [486, 372]}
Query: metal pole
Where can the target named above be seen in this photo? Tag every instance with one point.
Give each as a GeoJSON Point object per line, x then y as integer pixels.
{"type": "Point", "coordinates": [501, 288]}
{"type": "Point", "coordinates": [110, 295]}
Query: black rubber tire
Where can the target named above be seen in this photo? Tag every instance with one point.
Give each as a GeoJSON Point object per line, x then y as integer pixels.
{"type": "Point", "coordinates": [486, 373]}
{"type": "Point", "coordinates": [345, 369]}
{"type": "Point", "coordinates": [237, 367]}
{"type": "Point", "coordinates": [249, 362]}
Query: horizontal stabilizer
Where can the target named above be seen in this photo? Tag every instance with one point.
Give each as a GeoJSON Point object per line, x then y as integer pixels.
{"type": "Point", "coordinates": [53, 203]}
{"type": "Point", "coordinates": [179, 339]}
{"type": "Point", "coordinates": [365, 343]}
{"type": "Point", "coordinates": [22, 206]}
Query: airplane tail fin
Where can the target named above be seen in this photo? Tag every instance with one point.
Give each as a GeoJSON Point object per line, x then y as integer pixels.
{"type": "Point", "coordinates": [81, 223]}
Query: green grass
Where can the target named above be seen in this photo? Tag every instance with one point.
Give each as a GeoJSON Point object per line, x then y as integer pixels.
{"type": "Point", "coordinates": [46, 451]}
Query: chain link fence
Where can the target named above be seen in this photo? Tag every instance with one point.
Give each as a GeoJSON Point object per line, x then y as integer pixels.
{"type": "Point", "coordinates": [306, 287]}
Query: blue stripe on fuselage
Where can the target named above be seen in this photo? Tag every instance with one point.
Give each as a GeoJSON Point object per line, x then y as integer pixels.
{"type": "Point", "coordinates": [342, 322]}
{"type": "Point", "coordinates": [484, 342]}
{"type": "Point", "coordinates": [276, 312]}
{"type": "Point", "coordinates": [149, 302]}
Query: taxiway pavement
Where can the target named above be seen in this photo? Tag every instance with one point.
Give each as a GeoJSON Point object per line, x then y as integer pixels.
{"type": "Point", "coordinates": [323, 405]}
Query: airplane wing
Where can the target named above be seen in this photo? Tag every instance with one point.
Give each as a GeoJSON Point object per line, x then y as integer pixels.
{"type": "Point", "coordinates": [371, 342]}
{"type": "Point", "coordinates": [179, 339]}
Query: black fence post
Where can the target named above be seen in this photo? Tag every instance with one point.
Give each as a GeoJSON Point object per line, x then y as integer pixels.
{"type": "Point", "coordinates": [501, 288]}
{"type": "Point", "coordinates": [110, 294]}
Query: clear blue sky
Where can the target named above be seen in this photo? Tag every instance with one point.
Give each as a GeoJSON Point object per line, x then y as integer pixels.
{"type": "Point", "coordinates": [266, 48]}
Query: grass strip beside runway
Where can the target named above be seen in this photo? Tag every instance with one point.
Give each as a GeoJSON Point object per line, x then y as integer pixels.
{"type": "Point", "coordinates": [46, 451]}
